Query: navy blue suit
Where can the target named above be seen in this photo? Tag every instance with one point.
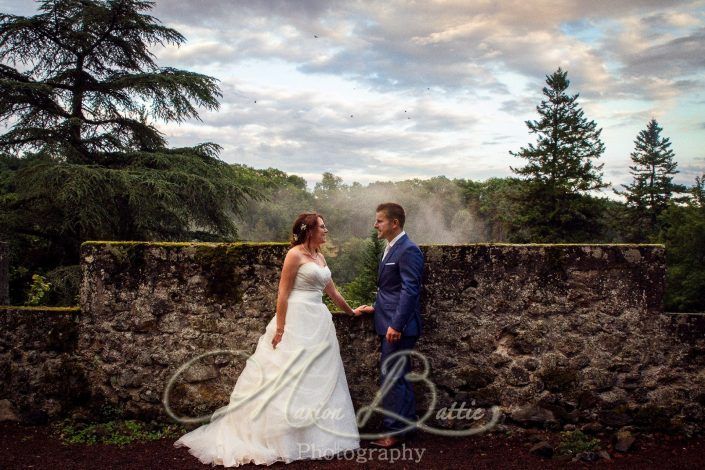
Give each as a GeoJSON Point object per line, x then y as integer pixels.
{"type": "Point", "coordinates": [398, 305]}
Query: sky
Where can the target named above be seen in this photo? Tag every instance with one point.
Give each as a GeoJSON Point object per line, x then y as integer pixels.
{"type": "Point", "coordinates": [392, 90]}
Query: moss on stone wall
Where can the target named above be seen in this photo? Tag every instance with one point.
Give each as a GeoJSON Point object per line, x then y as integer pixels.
{"type": "Point", "coordinates": [634, 245]}
{"type": "Point", "coordinates": [180, 244]}
{"type": "Point", "coordinates": [20, 309]}
{"type": "Point", "coordinates": [126, 257]}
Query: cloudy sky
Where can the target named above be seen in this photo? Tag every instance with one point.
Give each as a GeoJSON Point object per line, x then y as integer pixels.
{"type": "Point", "coordinates": [390, 90]}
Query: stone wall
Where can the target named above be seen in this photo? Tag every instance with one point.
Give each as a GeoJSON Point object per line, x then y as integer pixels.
{"type": "Point", "coordinates": [550, 333]}
{"type": "Point", "coordinates": [559, 334]}
{"type": "Point", "coordinates": [148, 308]}
{"type": "Point", "coordinates": [40, 371]}
{"type": "Point", "coordinates": [4, 273]}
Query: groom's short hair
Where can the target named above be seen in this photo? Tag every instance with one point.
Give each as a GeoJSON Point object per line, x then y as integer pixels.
{"type": "Point", "coordinates": [393, 211]}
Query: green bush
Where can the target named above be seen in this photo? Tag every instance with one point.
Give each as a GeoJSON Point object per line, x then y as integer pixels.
{"type": "Point", "coordinates": [575, 442]}
{"type": "Point", "coordinates": [38, 290]}
{"type": "Point", "coordinates": [116, 432]}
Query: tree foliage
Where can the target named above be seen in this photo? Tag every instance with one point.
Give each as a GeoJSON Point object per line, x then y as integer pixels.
{"type": "Point", "coordinates": [683, 233]}
{"type": "Point", "coordinates": [495, 201]}
{"type": "Point", "coordinates": [270, 218]}
{"type": "Point", "coordinates": [560, 169]}
{"type": "Point", "coordinates": [82, 158]}
{"type": "Point", "coordinates": [88, 82]}
{"type": "Point", "coordinates": [567, 143]}
{"type": "Point", "coordinates": [652, 187]}
{"type": "Point", "coordinates": [362, 289]}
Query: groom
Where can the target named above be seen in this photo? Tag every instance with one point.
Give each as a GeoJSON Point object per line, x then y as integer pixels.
{"type": "Point", "coordinates": [397, 316]}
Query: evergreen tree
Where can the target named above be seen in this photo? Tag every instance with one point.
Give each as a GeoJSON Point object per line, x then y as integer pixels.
{"type": "Point", "coordinates": [652, 188]}
{"type": "Point", "coordinates": [78, 90]}
{"type": "Point", "coordinates": [362, 289]}
{"type": "Point", "coordinates": [79, 110]}
{"type": "Point", "coordinates": [560, 169]}
{"type": "Point", "coordinates": [87, 77]}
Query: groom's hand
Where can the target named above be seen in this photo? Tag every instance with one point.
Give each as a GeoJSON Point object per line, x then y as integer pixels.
{"type": "Point", "coordinates": [393, 335]}
{"type": "Point", "coordinates": [363, 309]}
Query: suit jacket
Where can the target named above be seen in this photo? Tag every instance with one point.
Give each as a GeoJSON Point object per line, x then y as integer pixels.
{"type": "Point", "coordinates": [399, 289]}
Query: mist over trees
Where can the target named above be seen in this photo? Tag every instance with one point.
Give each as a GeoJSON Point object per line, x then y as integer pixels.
{"type": "Point", "coordinates": [440, 209]}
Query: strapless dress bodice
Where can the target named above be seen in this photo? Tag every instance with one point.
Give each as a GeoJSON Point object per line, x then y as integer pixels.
{"type": "Point", "coordinates": [312, 277]}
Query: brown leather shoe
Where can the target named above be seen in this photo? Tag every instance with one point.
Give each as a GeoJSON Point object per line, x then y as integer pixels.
{"type": "Point", "coordinates": [386, 442]}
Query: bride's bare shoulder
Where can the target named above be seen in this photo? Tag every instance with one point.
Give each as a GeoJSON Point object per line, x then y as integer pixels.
{"type": "Point", "coordinates": [293, 251]}
{"type": "Point", "coordinates": [294, 255]}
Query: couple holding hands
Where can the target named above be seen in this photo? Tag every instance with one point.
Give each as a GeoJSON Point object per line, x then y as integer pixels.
{"type": "Point", "coordinates": [292, 401]}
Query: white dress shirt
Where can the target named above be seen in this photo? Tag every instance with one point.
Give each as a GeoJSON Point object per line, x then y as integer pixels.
{"type": "Point", "coordinates": [391, 244]}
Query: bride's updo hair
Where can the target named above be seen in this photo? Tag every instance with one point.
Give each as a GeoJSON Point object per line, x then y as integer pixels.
{"type": "Point", "coordinates": [303, 225]}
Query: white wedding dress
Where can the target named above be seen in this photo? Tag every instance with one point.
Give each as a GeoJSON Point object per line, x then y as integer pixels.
{"type": "Point", "coordinates": [289, 403]}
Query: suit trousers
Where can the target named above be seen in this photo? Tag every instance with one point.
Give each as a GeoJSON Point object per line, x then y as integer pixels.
{"type": "Point", "coordinates": [399, 398]}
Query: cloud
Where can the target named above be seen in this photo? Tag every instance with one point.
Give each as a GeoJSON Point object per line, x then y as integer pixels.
{"type": "Point", "coordinates": [454, 44]}
{"type": "Point", "coordinates": [307, 133]}
{"type": "Point", "coordinates": [630, 119]}
{"type": "Point", "coordinates": [467, 73]}
{"type": "Point", "coordinates": [676, 57]}
{"type": "Point", "coordinates": [499, 140]}
{"type": "Point", "coordinates": [612, 50]}
{"type": "Point", "coordinates": [688, 172]}
{"type": "Point", "coordinates": [663, 21]}
{"type": "Point", "coordinates": [367, 42]}
{"type": "Point", "coordinates": [201, 53]}
{"type": "Point", "coordinates": [519, 105]}
{"type": "Point", "coordinates": [236, 12]}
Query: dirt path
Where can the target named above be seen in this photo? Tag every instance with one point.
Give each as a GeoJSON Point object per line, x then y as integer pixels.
{"type": "Point", "coordinates": [35, 447]}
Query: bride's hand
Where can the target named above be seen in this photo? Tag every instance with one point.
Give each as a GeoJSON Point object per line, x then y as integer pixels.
{"type": "Point", "coordinates": [364, 309]}
{"type": "Point", "coordinates": [277, 339]}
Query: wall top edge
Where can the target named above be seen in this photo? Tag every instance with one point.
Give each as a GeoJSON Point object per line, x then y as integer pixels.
{"type": "Point", "coordinates": [429, 245]}
{"type": "Point", "coordinates": [178, 244]}
{"type": "Point", "coordinates": [587, 245]}
{"type": "Point", "coordinates": [39, 308]}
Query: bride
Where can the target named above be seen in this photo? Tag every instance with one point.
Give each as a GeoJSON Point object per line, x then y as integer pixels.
{"type": "Point", "coordinates": [291, 400]}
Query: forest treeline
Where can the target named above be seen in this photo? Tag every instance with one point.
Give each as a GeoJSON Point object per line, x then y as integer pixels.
{"type": "Point", "coordinates": [456, 211]}
{"type": "Point", "coordinates": [82, 159]}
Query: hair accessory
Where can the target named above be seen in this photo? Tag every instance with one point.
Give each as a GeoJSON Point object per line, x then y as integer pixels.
{"type": "Point", "coordinates": [303, 227]}
{"type": "Point", "coordinates": [296, 237]}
